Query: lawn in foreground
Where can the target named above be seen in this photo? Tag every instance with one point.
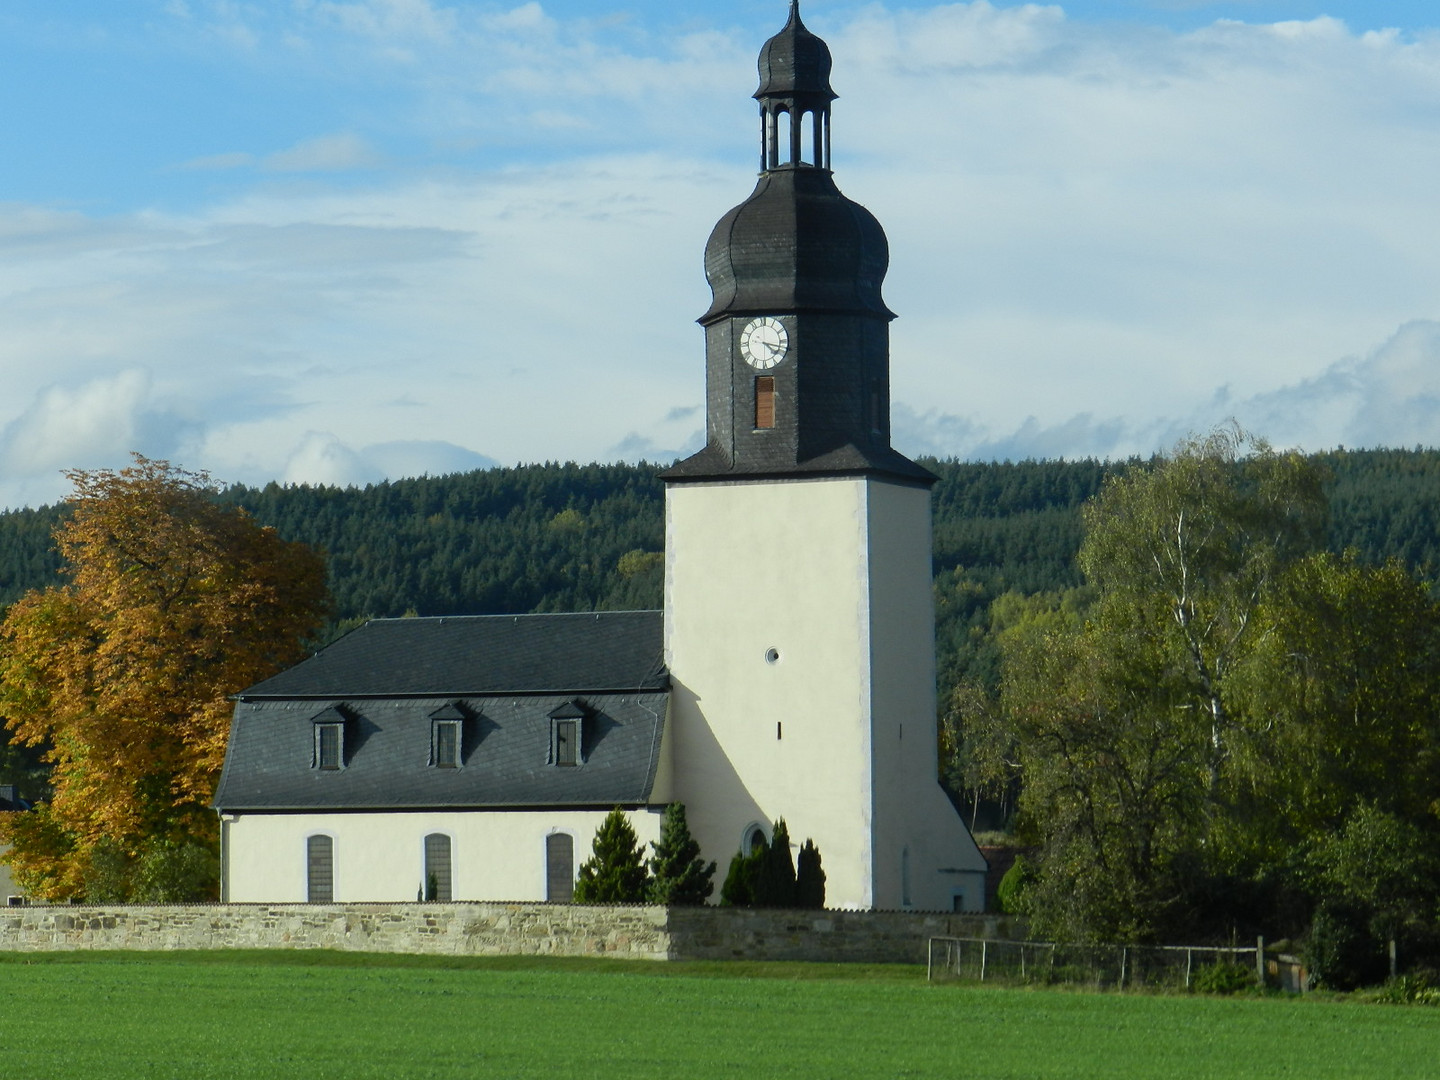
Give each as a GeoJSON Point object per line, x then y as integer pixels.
{"type": "Point", "coordinates": [339, 1015]}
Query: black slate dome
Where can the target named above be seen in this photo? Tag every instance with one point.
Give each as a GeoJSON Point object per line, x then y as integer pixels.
{"type": "Point", "coordinates": [797, 244]}
{"type": "Point", "coordinates": [794, 61]}
{"type": "Point", "coordinates": [797, 336]}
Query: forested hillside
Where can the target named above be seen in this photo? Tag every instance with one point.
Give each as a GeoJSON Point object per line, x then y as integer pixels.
{"type": "Point", "coordinates": [580, 537]}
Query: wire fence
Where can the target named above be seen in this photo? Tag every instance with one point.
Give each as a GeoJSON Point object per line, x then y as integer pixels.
{"type": "Point", "coordinates": [1173, 967]}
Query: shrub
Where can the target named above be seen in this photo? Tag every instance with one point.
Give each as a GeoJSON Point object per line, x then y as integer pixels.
{"type": "Point", "coordinates": [809, 878]}
{"type": "Point", "coordinates": [739, 887]}
{"type": "Point", "coordinates": [107, 875]}
{"type": "Point", "coordinates": [775, 880]}
{"type": "Point", "coordinates": [1222, 977]}
{"type": "Point", "coordinates": [1340, 953]}
{"type": "Point", "coordinates": [678, 875]}
{"type": "Point", "coordinates": [615, 873]}
{"type": "Point", "coordinates": [1417, 988]}
{"type": "Point", "coordinates": [175, 872]}
{"type": "Point", "coordinates": [1010, 894]}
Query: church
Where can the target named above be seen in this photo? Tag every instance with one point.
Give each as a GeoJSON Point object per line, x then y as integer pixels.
{"type": "Point", "coordinates": [790, 674]}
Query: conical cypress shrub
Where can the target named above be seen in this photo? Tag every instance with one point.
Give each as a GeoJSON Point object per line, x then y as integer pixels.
{"type": "Point", "coordinates": [678, 875]}
{"type": "Point", "coordinates": [775, 885]}
{"type": "Point", "coordinates": [738, 889]}
{"type": "Point", "coordinates": [809, 878]}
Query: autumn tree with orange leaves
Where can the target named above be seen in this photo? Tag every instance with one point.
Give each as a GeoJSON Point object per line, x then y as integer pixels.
{"type": "Point", "coordinates": [175, 602]}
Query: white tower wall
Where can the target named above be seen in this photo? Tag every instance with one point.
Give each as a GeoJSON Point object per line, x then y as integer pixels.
{"type": "Point", "coordinates": [836, 734]}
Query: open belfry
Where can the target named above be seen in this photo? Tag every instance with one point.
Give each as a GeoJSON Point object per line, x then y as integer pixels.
{"type": "Point", "coordinates": [790, 675]}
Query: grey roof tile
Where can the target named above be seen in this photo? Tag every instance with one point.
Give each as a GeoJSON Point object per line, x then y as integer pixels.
{"type": "Point", "coordinates": [505, 750]}
{"type": "Point", "coordinates": [482, 654]}
{"type": "Point", "coordinates": [503, 676]}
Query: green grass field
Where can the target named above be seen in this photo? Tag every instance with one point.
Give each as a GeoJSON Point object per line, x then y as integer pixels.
{"type": "Point", "coordinates": [299, 1015]}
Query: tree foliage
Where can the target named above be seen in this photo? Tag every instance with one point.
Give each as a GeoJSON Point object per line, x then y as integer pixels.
{"type": "Point", "coordinates": [122, 675]}
{"type": "Point", "coordinates": [775, 880]}
{"type": "Point", "coordinates": [678, 875]}
{"type": "Point", "coordinates": [809, 878]}
{"type": "Point", "coordinates": [615, 872]}
{"type": "Point", "coordinates": [767, 876]}
{"type": "Point", "coordinates": [738, 888]}
{"type": "Point", "coordinates": [1229, 694]}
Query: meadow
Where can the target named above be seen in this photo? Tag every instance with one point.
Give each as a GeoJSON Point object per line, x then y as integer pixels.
{"type": "Point", "coordinates": [300, 1015]}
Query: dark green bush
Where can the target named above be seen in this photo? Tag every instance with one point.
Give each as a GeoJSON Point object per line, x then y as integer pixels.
{"type": "Point", "coordinates": [678, 875]}
{"type": "Point", "coordinates": [1340, 952]}
{"type": "Point", "coordinates": [1222, 977]}
{"type": "Point", "coordinates": [1010, 893]}
{"type": "Point", "coordinates": [615, 873]}
{"type": "Point", "coordinates": [809, 878]}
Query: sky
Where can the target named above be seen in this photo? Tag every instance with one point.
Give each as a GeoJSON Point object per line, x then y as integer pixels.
{"type": "Point", "coordinates": [334, 241]}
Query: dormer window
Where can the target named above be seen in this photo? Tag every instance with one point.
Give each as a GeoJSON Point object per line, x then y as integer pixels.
{"type": "Point", "coordinates": [567, 733]}
{"type": "Point", "coordinates": [446, 743]}
{"type": "Point", "coordinates": [447, 736]}
{"type": "Point", "coordinates": [329, 752]}
{"type": "Point", "coordinates": [329, 745]}
{"type": "Point", "coordinates": [567, 738]}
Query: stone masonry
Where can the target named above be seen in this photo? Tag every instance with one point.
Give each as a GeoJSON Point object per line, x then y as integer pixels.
{"type": "Point", "coordinates": [499, 929]}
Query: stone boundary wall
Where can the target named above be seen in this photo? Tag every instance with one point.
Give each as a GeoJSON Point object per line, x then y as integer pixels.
{"type": "Point", "coordinates": [872, 937]}
{"type": "Point", "coordinates": [499, 929]}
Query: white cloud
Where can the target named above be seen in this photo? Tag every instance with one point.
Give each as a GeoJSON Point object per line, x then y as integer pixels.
{"type": "Point", "coordinates": [1102, 236]}
{"type": "Point", "coordinates": [322, 458]}
{"type": "Point", "coordinates": [327, 153]}
{"type": "Point", "coordinates": [82, 426]}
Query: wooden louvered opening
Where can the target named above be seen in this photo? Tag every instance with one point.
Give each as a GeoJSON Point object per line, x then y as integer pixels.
{"type": "Point", "coordinates": [765, 401]}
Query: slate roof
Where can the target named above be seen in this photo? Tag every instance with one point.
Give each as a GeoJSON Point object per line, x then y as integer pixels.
{"type": "Point", "coordinates": [796, 244]}
{"type": "Point", "coordinates": [794, 61]}
{"type": "Point", "coordinates": [711, 464]}
{"type": "Point", "coordinates": [504, 676]}
{"type": "Point", "coordinates": [482, 654]}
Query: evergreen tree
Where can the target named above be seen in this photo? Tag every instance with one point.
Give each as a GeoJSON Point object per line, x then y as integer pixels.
{"type": "Point", "coordinates": [775, 880]}
{"type": "Point", "coordinates": [809, 878]}
{"type": "Point", "coordinates": [739, 887]}
{"type": "Point", "coordinates": [615, 873]}
{"type": "Point", "coordinates": [678, 875]}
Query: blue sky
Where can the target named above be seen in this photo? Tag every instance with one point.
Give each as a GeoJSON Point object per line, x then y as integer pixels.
{"type": "Point", "coordinates": [336, 240]}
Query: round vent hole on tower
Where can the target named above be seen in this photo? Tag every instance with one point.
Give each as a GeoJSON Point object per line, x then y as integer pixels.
{"type": "Point", "coordinates": [772, 655]}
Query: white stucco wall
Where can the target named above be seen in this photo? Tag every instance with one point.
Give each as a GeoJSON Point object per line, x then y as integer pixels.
{"type": "Point", "coordinates": [912, 813]}
{"type": "Point", "coordinates": [496, 855]}
{"type": "Point", "coordinates": [834, 575]}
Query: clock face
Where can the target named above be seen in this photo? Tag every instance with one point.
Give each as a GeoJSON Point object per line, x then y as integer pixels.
{"type": "Point", "coordinates": [764, 342]}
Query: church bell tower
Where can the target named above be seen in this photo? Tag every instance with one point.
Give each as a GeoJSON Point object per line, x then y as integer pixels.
{"type": "Point", "coordinates": [799, 626]}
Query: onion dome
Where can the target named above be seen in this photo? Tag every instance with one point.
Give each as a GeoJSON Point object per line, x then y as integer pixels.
{"type": "Point", "coordinates": [795, 62]}
{"type": "Point", "coordinates": [797, 244]}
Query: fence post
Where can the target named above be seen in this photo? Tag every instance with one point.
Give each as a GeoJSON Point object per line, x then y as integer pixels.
{"type": "Point", "coordinates": [983, 945]}
{"type": "Point", "coordinates": [1260, 961]}
{"type": "Point", "coordinates": [1189, 961]}
{"type": "Point", "coordinates": [1124, 955]}
{"type": "Point", "coordinates": [1022, 961]}
{"type": "Point", "coordinates": [1394, 960]}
